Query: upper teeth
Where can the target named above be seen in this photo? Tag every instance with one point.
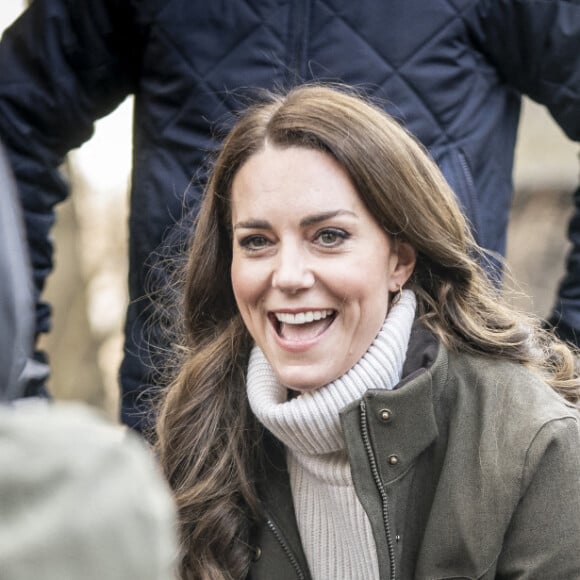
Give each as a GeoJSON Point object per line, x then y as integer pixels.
{"type": "Point", "coordinates": [302, 317]}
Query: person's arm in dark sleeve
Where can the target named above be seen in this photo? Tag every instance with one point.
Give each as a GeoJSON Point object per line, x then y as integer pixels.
{"type": "Point", "coordinates": [534, 45]}
{"type": "Point", "coordinates": [565, 317]}
{"type": "Point", "coordinates": [63, 64]}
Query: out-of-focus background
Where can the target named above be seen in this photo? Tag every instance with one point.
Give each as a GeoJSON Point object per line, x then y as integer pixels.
{"type": "Point", "coordinates": [88, 288]}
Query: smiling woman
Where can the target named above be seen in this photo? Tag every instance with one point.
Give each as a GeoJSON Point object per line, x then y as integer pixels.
{"type": "Point", "coordinates": [312, 279]}
{"type": "Point", "coordinates": [353, 398]}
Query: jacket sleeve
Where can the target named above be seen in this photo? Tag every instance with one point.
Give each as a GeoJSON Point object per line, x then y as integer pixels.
{"type": "Point", "coordinates": [534, 46]}
{"type": "Point", "coordinates": [15, 290]}
{"type": "Point", "coordinates": [63, 64]}
{"type": "Point", "coordinates": [543, 539]}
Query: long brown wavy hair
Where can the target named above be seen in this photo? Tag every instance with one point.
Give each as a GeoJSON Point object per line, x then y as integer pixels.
{"type": "Point", "coordinates": [207, 438]}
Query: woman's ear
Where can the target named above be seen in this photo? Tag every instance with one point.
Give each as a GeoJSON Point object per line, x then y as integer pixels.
{"type": "Point", "coordinates": [402, 264]}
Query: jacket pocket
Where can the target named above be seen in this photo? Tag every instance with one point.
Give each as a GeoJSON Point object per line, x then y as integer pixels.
{"type": "Point", "coordinates": [454, 165]}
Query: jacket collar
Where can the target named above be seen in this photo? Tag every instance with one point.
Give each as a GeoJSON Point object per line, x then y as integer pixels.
{"type": "Point", "coordinates": [392, 415]}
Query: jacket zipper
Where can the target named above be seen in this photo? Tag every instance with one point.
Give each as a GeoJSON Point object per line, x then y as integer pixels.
{"type": "Point", "coordinates": [470, 192]}
{"type": "Point", "coordinates": [287, 550]}
{"type": "Point", "coordinates": [466, 171]}
{"type": "Point", "coordinates": [380, 487]}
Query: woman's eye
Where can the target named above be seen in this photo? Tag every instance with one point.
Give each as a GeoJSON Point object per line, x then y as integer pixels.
{"type": "Point", "coordinates": [254, 243]}
{"type": "Point", "coordinates": [331, 237]}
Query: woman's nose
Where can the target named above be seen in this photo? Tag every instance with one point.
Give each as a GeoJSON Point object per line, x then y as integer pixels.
{"type": "Point", "coordinates": [293, 271]}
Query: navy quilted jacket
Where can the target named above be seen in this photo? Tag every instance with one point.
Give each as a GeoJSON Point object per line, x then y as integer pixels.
{"type": "Point", "coordinates": [451, 70]}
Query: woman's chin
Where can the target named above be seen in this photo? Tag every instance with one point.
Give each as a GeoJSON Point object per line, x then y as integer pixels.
{"type": "Point", "coordinates": [303, 380]}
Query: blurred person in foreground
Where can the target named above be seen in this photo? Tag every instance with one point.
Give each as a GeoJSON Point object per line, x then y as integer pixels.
{"type": "Point", "coordinates": [452, 72]}
{"type": "Point", "coordinates": [78, 498]}
{"type": "Point", "coordinates": [352, 398]}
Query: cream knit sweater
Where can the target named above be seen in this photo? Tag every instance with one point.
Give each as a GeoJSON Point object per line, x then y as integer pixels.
{"type": "Point", "coordinates": [334, 528]}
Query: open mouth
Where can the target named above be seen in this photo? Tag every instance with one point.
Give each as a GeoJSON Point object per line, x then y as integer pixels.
{"type": "Point", "coordinates": [302, 326]}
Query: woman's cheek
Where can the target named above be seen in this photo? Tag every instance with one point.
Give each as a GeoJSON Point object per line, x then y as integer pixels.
{"type": "Point", "coordinates": [246, 282]}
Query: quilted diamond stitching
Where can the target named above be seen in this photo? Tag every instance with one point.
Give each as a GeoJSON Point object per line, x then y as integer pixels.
{"type": "Point", "coordinates": [398, 70]}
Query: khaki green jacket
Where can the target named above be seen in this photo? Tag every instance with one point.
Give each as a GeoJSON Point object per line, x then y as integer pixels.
{"type": "Point", "coordinates": [469, 470]}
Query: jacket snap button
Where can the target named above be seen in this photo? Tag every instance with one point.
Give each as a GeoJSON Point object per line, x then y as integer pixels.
{"type": "Point", "coordinates": [257, 553]}
{"type": "Point", "coordinates": [385, 415]}
{"type": "Point", "coordinates": [393, 460]}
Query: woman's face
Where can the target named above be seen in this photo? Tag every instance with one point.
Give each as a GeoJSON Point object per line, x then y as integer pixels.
{"type": "Point", "coordinates": [311, 269]}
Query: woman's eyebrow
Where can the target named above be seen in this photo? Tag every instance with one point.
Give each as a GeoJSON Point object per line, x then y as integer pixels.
{"type": "Point", "coordinates": [321, 217]}
{"type": "Point", "coordinates": [258, 224]}
{"type": "Point", "coordinates": [252, 224]}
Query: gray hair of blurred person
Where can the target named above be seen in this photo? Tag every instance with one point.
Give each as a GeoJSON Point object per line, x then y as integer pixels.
{"type": "Point", "coordinates": [79, 498]}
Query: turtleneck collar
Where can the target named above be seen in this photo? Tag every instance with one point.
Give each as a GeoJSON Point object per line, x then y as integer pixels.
{"type": "Point", "coordinates": [310, 424]}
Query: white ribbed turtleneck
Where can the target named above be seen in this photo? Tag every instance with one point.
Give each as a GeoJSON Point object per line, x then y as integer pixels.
{"type": "Point", "coordinates": [333, 526]}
